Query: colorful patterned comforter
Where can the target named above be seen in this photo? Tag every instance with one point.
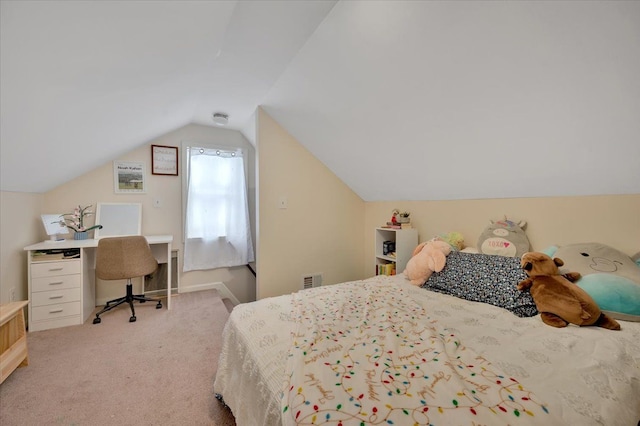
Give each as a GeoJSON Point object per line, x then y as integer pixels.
{"type": "Point", "coordinates": [369, 354]}
{"type": "Point", "coordinates": [584, 376]}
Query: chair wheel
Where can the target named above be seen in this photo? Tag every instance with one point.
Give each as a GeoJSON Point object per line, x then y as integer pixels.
{"type": "Point", "coordinates": [159, 305]}
{"type": "Point", "coordinates": [142, 301]}
{"type": "Point", "coordinates": [97, 320]}
{"type": "Point", "coordinates": [132, 319]}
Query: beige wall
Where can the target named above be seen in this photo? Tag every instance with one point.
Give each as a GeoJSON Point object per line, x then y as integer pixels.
{"type": "Point", "coordinates": [98, 186]}
{"type": "Point", "coordinates": [321, 231]}
{"type": "Point", "coordinates": [19, 226]}
{"type": "Point", "coordinates": [609, 219]}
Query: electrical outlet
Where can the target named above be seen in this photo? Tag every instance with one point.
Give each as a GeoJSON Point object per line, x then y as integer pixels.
{"type": "Point", "coordinates": [157, 203]}
{"type": "Point", "coordinates": [283, 203]}
{"type": "Point", "coordinates": [12, 294]}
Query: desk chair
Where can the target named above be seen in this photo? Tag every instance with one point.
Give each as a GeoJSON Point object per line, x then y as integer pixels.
{"type": "Point", "coordinates": [120, 258]}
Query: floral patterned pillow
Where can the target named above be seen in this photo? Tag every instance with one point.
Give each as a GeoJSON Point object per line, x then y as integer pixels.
{"type": "Point", "coordinates": [484, 278]}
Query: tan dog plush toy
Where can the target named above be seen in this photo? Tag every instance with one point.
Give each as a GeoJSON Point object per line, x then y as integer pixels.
{"type": "Point", "coordinates": [557, 298]}
{"type": "Point", "coordinates": [427, 258]}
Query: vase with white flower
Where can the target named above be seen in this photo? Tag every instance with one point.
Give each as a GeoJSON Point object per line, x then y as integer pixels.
{"type": "Point", "coordinates": [76, 222]}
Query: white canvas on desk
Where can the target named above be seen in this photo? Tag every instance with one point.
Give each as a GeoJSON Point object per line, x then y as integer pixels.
{"type": "Point", "coordinates": [52, 224]}
{"type": "Point", "coordinates": [118, 219]}
{"type": "Point", "coordinates": [54, 227]}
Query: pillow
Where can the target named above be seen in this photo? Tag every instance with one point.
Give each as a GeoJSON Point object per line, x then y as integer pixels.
{"type": "Point", "coordinates": [593, 258]}
{"type": "Point", "coordinates": [504, 237]}
{"type": "Point", "coordinates": [609, 276]}
{"type": "Point", "coordinates": [616, 296]}
{"type": "Point", "coordinates": [484, 278]}
{"type": "Point", "coordinates": [470, 250]}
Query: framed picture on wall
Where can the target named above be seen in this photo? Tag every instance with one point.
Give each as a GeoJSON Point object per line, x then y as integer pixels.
{"type": "Point", "coordinates": [128, 177]}
{"type": "Point", "coordinates": [164, 160]}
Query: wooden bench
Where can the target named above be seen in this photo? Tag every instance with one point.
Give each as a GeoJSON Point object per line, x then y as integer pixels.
{"type": "Point", "coordinates": [13, 338]}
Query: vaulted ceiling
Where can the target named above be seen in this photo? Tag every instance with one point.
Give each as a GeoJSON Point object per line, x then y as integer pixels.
{"type": "Point", "coordinates": [401, 100]}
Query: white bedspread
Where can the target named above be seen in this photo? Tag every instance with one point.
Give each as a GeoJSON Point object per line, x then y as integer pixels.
{"type": "Point", "coordinates": [585, 376]}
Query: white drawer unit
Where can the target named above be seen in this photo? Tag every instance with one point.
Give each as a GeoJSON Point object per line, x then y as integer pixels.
{"type": "Point", "coordinates": [43, 313]}
{"type": "Point", "coordinates": [55, 289]}
{"type": "Point", "coordinates": [43, 298]}
{"type": "Point", "coordinates": [56, 282]}
{"type": "Point", "coordinates": [54, 269]}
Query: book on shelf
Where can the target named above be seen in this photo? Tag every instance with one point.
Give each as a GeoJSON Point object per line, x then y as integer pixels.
{"type": "Point", "coordinates": [47, 256]}
{"type": "Point", "coordinates": [61, 254]}
{"type": "Point", "coordinates": [386, 269]}
{"type": "Point", "coordinates": [391, 225]}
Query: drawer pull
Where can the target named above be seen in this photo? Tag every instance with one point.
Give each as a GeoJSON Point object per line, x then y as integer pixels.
{"type": "Point", "coordinates": [55, 269]}
{"type": "Point", "coordinates": [56, 283]}
{"type": "Point", "coordinates": [57, 311]}
{"type": "Point", "coordinates": [56, 297]}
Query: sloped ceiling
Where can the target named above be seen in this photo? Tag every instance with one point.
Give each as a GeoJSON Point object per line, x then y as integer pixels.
{"type": "Point", "coordinates": [402, 100]}
{"type": "Point", "coordinates": [83, 82]}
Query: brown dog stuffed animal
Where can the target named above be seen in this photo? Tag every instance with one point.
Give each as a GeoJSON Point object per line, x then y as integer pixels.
{"type": "Point", "coordinates": [559, 300]}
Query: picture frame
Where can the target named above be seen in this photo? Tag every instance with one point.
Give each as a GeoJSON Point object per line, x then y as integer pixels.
{"type": "Point", "coordinates": [128, 177]}
{"type": "Point", "coordinates": [164, 160]}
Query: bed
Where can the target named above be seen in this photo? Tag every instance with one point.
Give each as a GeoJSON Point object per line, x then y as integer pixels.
{"type": "Point", "coordinates": [381, 351]}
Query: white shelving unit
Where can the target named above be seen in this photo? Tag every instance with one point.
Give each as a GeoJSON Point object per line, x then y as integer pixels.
{"type": "Point", "coordinates": [56, 293]}
{"type": "Point", "coordinates": [405, 240]}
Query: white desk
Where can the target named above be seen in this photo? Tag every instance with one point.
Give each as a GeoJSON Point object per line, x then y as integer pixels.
{"type": "Point", "coordinates": [62, 292]}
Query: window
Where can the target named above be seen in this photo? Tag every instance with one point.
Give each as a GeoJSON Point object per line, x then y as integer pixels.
{"type": "Point", "coordinates": [217, 228]}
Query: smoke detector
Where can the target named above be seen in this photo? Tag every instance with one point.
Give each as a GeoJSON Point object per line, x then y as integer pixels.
{"type": "Point", "coordinates": [221, 119]}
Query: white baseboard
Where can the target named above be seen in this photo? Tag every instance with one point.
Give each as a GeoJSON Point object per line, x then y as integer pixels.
{"type": "Point", "coordinates": [220, 286]}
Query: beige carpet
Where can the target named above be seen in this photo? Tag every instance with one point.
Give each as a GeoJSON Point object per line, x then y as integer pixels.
{"type": "Point", "coordinates": [158, 370]}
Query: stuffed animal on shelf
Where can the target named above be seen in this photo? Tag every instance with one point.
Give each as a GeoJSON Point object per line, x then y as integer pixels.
{"type": "Point", "coordinates": [557, 298]}
{"type": "Point", "coordinates": [394, 217]}
{"type": "Point", "coordinates": [427, 257]}
{"type": "Point", "coordinates": [504, 238]}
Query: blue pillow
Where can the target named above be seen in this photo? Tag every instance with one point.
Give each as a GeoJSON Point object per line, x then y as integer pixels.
{"type": "Point", "coordinates": [484, 278]}
{"type": "Point", "coordinates": [609, 276]}
{"type": "Point", "coordinates": [617, 296]}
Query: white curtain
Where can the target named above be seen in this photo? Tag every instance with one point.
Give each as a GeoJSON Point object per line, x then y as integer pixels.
{"type": "Point", "coordinates": [217, 230]}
